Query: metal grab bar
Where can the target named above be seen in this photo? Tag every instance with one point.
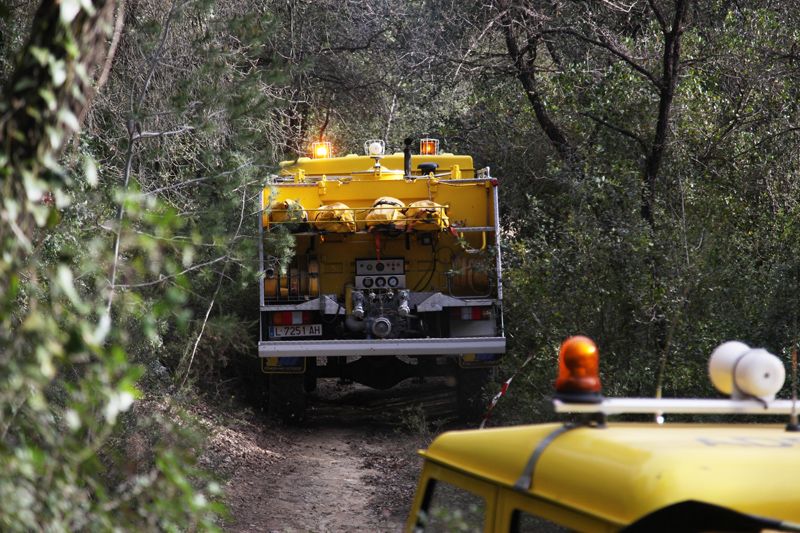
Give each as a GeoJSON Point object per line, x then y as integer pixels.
{"type": "Point", "coordinates": [473, 250]}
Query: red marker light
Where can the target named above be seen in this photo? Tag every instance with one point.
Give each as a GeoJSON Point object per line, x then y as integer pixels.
{"type": "Point", "coordinates": [578, 371]}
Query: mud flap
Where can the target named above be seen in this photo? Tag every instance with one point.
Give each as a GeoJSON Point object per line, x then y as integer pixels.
{"type": "Point", "coordinates": [310, 375]}
{"type": "Point", "coordinates": [469, 392]}
{"type": "Point", "coordinates": [287, 397]}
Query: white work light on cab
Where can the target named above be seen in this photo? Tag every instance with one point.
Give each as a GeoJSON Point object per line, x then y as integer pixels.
{"type": "Point", "coordinates": [744, 372]}
{"type": "Point", "coordinates": [374, 148]}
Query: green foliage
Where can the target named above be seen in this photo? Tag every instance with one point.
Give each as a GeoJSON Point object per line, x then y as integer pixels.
{"type": "Point", "coordinates": [204, 97]}
{"type": "Point", "coordinates": [103, 282]}
{"type": "Point", "coordinates": [68, 381]}
{"type": "Point", "coordinates": [719, 263]}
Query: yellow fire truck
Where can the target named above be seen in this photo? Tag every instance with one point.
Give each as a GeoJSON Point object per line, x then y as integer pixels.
{"type": "Point", "coordinates": [394, 272]}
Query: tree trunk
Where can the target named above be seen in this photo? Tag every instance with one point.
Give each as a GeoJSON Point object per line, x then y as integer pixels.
{"type": "Point", "coordinates": [669, 79]}
{"type": "Point", "coordinates": [45, 93]}
{"type": "Point", "coordinates": [524, 69]}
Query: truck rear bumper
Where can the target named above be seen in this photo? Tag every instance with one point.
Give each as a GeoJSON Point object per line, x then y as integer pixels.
{"type": "Point", "coordinates": [328, 348]}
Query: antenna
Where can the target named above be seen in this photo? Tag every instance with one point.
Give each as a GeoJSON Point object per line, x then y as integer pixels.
{"type": "Point", "coordinates": [793, 425]}
{"type": "Point", "coordinates": [793, 422]}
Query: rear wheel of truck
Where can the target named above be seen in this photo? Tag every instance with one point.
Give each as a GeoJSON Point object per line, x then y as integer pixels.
{"type": "Point", "coordinates": [469, 390]}
{"type": "Point", "coordinates": [287, 397]}
{"type": "Point", "coordinates": [255, 383]}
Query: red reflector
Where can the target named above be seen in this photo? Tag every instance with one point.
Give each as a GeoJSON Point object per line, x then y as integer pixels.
{"type": "Point", "coordinates": [471, 313]}
{"type": "Point", "coordinates": [291, 318]}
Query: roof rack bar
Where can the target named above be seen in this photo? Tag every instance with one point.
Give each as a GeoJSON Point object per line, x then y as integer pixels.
{"type": "Point", "coordinates": [472, 229]}
{"type": "Point", "coordinates": [615, 406]}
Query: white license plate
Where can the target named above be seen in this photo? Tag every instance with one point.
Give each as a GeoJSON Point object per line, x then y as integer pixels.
{"type": "Point", "coordinates": [305, 330]}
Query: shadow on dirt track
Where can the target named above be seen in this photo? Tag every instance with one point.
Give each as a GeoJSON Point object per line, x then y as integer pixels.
{"type": "Point", "coordinates": [350, 465]}
{"type": "Point", "coordinates": [401, 407]}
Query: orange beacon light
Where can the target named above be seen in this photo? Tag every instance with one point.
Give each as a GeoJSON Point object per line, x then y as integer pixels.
{"type": "Point", "coordinates": [428, 146]}
{"type": "Point", "coordinates": [578, 371]}
{"type": "Point", "coordinates": [320, 149]}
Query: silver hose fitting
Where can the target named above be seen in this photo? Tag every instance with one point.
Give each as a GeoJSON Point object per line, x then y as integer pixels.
{"type": "Point", "coordinates": [358, 304]}
{"type": "Point", "coordinates": [381, 327]}
{"type": "Point", "coordinates": [403, 308]}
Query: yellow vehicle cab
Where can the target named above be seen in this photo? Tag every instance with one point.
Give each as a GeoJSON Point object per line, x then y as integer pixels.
{"type": "Point", "coordinates": [594, 475]}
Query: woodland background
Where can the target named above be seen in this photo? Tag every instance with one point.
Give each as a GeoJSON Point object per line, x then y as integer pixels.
{"type": "Point", "coordinates": [649, 181]}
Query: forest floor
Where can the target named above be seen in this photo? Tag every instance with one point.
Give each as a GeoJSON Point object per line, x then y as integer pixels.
{"type": "Point", "coordinates": [351, 465]}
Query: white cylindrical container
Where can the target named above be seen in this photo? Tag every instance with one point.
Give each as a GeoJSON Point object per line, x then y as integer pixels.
{"type": "Point", "coordinates": [721, 363]}
{"type": "Point", "coordinates": [759, 373]}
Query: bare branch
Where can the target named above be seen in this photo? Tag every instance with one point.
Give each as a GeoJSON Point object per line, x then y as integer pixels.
{"type": "Point", "coordinates": [525, 74]}
{"type": "Point", "coordinates": [156, 56]}
{"type": "Point", "coordinates": [669, 80]}
{"type": "Point", "coordinates": [622, 131]}
{"type": "Point", "coordinates": [475, 43]}
{"type": "Point", "coordinates": [619, 6]}
{"type": "Point", "coordinates": [390, 118]}
{"type": "Point", "coordinates": [216, 292]}
{"type": "Point", "coordinates": [659, 16]}
{"type": "Point", "coordinates": [112, 51]}
{"type": "Point", "coordinates": [621, 54]}
{"type": "Point", "coordinates": [325, 123]}
{"type": "Point", "coordinates": [355, 47]}
{"type": "Point", "coordinates": [154, 59]}
{"type": "Point", "coordinates": [151, 134]}
{"type": "Point", "coordinates": [162, 279]}
{"type": "Point", "coordinates": [197, 180]}
{"type": "Point", "coordinates": [765, 140]}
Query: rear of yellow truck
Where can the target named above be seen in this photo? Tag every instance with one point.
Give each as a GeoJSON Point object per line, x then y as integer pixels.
{"type": "Point", "coordinates": [395, 273]}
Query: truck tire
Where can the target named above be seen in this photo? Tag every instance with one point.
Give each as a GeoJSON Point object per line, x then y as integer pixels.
{"type": "Point", "coordinates": [287, 399]}
{"type": "Point", "coordinates": [255, 383]}
{"type": "Point", "coordinates": [469, 391]}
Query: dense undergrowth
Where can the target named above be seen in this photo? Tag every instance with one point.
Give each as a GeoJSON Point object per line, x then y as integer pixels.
{"type": "Point", "coordinates": [649, 199]}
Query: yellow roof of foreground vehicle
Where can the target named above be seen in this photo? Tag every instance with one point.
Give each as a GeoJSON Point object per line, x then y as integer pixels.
{"type": "Point", "coordinates": [594, 476]}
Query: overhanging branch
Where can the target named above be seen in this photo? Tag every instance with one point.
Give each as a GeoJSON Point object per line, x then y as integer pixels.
{"type": "Point", "coordinates": [622, 131]}
{"type": "Point", "coordinates": [621, 54]}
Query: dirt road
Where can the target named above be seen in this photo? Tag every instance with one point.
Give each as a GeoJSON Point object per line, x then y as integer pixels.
{"type": "Point", "coordinates": [351, 466]}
